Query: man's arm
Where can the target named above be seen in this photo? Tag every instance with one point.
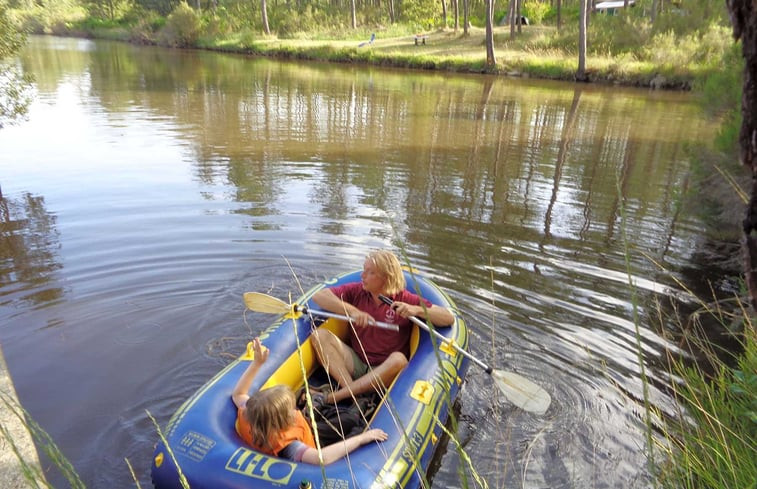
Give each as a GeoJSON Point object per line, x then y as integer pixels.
{"type": "Point", "coordinates": [326, 299]}
{"type": "Point", "coordinates": [439, 316]}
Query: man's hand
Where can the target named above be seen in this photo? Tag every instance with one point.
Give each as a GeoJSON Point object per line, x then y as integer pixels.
{"type": "Point", "coordinates": [361, 319]}
{"type": "Point", "coordinates": [406, 310]}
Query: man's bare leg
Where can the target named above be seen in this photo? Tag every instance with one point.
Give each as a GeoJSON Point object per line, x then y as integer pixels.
{"type": "Point", "coordinates": [378, 378]}
{"type": "Point", "coordinates": [334, 356]}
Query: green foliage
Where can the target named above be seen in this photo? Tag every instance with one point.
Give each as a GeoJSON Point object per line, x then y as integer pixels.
{"type": "Point", "coordinates": [372, 15]}
{"type": "Point", "coordinates": [535, 11]}
{"type": "Point", "coordinates": [163, 7]}
{"type": "Point", "coordinates": [48, 16]}
{"type": "Point", "coordinates": [615, 34]}
{"type": "Point", "coordinates": [720, 93]}
{"type": "Point", "coordinates": [240, 15]}
{"type": "Point", "coordinates": [727, 137]}
{"type": "Point", "coordinates": [716, 449]}
{"type": "Point", "coordinates": [218, 23]}
{"type": "Point", "coordinates": [289, 23]}
{"type": "Point", "coordinates": [183, 27]}
{"type": "Point", "coordinates": [422, 14]}
{"type": "Point", "coordinates": [721, 90]}
{"type": "Point", "coordinates": [690, 16]}
{"type": "Point", "coordinates": [15, 86]}
{"type": "Point", "coordinates": [11, 39]}
{"type": "Point", "coordinates": [144, 25]}
{"type": "Point", "coordinates": [705, 48]}
{"type": "Point", "coordinates": [106, 9]}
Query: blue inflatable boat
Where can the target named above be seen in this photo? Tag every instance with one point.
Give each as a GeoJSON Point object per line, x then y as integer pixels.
{"type": "Point", "coordinates": [203, 448]}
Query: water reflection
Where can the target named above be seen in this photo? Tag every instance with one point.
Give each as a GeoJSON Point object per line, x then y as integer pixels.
{"type": "Point", "coordinates": [28, 252]}
{"type": "Point", "coordinates": [182, 179]}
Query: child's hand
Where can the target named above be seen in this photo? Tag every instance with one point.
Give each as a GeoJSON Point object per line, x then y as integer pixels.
{"type": "Point", "coordinates": [375, 434]}
{"type": "Point", "coordinates": [260, 352]}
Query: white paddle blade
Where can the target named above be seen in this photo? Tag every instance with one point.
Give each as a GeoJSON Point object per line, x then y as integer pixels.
{"type": "Point", "coordinates": [259, 302]}
{"type": "Point", "coordinates": [522, 392]}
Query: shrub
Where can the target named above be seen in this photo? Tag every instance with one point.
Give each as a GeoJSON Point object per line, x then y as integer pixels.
{"type": "Point", "coordinates": [535, 11]}
{"type": "Point", "coordinates": [616, 34]}
{"type": "Point", "coordinates": [423, 14]}
{"type": "Point", "coordinates": [182, 27]}
{"type": "Point", "coordinates": [144, 29]}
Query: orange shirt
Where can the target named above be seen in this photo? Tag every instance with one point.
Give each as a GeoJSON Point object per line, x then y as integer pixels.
{"type": "Point", "coordinates": [300, 430]}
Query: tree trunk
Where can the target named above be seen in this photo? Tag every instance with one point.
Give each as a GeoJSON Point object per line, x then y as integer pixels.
{"type": "Point", "coordinates": [582, 22]}
{"type": "Point", "coordinates": [264, 13]}
{"type": "Point", "coordinates": [744, 19]}
{"type": "Point", "coordinates": [511, 18]}
{"type": "Point", "coordinates": [559, 17]}
{"type": "Point", "coordinates": [444, 14]}
{"type": "Point", "coordinates": [465, 18]}
{"type": "Point", "coordinates": [456, 7]}
{"type": "Point", "coordinates": [490, 61]}
{"type": "Point", "coordinates": [354, 14]}
{"type": "Point", "coordinates": [518, 17]}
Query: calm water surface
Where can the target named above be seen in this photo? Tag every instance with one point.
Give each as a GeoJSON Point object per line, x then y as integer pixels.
{"type": "Point", "coordinates": [150, 188]}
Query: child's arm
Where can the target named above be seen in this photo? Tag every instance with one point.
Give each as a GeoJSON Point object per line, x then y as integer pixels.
{"type": "Point", "coordinates": [241, 391]}
{"type": "Point", "coordinates": [337, 450]}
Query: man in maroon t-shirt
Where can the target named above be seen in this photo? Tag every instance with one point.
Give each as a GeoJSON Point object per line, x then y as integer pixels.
{"type": "Point", "coordinates": [372, 356]}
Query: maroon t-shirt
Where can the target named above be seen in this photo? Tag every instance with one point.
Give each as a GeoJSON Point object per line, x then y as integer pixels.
{"type": "Point", "coordinates": [374, 344]}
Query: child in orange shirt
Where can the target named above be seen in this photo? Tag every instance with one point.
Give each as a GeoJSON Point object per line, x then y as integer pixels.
{"type": "Point", "coordinates": [270, 422]}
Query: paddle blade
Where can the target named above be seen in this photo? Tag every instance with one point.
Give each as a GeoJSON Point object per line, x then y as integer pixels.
{"type": "Point", "coordinates": [522, 392]}
{"type": "Point", "coordinates": [259, 302]}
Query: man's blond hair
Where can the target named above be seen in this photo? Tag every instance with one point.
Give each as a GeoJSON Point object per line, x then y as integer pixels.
{"type": "Point", "coordinates": [389, 266]}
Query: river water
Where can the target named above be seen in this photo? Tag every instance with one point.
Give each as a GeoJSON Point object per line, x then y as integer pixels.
{"type": "Point", "coordinates": [150, 188]}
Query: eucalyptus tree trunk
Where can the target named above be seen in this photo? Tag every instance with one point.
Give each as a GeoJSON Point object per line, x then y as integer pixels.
{"type": "Point", "coordinates": [456, 8]}
{"type": "Point", "coordinates": [444, 13]}
{"type": "Point", "coordinates": [465, 17]}
{"type": "Point", "coordinates": [744, 19]}
{"type": "Point", "coordinates": [511, 18]}
{"type": "Point", "coordinates": [354, 14]}
{"type": "Point", "coordinates": [264, 13]}
{"type": "Point", "coordinates": [582, 23]}
{"type": "Point", "coordinates": [559, 16]}
{"type": "Point", "coordinates": [518, 16]}
{"type": "Point", "coordinates": [490, 61]}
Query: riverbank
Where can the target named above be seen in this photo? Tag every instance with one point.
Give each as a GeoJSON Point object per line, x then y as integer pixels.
{"type": "Point", "coordinates": [451, 51]}
{"type": "Point", "coordinates": [535, 52]}
{"type": "Point", "coordinates": [18, 458]}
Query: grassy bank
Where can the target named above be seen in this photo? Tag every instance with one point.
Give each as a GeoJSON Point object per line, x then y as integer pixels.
{"type": "Point", "coordinates": [672, 53]}
{"type": "Point", "coordinates": [713, 439]}
{"type": "Point", "coordinates": [448, 50]}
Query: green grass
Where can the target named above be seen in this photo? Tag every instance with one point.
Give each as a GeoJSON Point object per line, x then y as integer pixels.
{"type": "Point", "coordinates": [714, 441]}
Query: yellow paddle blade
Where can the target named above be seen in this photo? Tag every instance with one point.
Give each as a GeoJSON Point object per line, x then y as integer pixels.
{"type": "Point", "coordinates": [522, 392]}
{"type": "Point", "coordinates": [259, 302]}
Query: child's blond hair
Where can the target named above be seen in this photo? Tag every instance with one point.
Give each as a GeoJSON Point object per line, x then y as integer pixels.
{"type": "Point", "coordinates": [270, 412]}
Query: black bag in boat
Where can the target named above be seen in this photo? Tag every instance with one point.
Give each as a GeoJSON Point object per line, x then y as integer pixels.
{"type": "Point", "coordinates": [338, 422]}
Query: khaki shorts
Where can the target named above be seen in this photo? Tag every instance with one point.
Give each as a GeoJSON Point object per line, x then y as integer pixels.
{"type": "Point", "coordinates": [359, 367]}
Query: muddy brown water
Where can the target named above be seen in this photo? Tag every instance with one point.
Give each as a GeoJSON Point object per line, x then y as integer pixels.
{"type": "Point", "coordinates": [150, 188]}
